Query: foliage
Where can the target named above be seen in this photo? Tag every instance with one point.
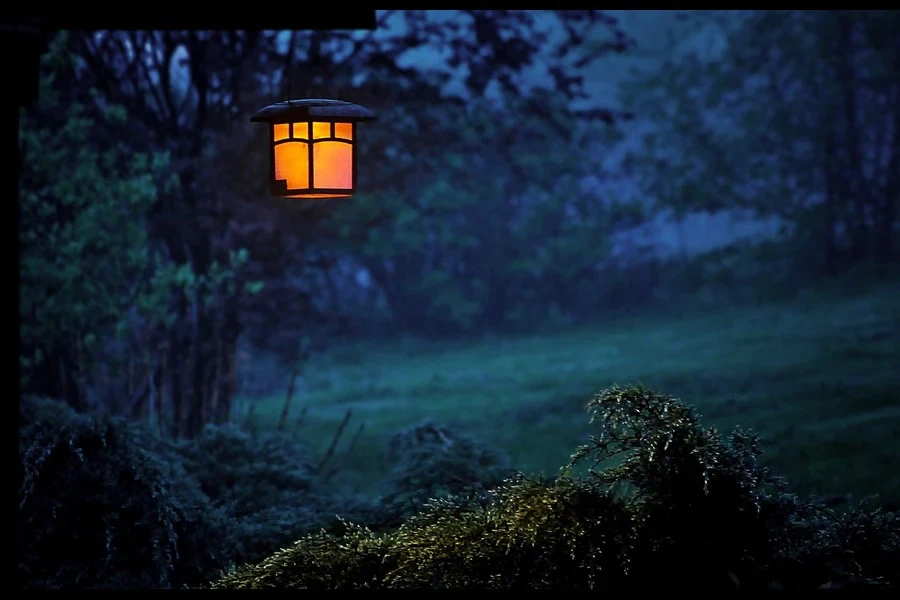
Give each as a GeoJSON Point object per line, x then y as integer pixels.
{"type": "Point", "coordinates": [266, 482]}
{"type": "Point", "coordinates": [39, 412]}
{"type": "Point", "coordinates": [107, 503]}
{"type": "Point", "coordinates": [780, 115]}
{"type": "Point", "coordinates": [431, 460]}
{"type": "Point", "coordinates": [84, 248]}
{"type": "Point", "coordinates": [532, 535]}
{"type": "Point", "coordinates": [652, 497]}
{"type": "Point", "coordinates": [180, 94]}
{"type": "Point", "coordinates": [93, 283]}
{"type": "Point", "coordinates": [701, 495]}
{"type": "Point", "coordinates": [502, 195]}
{"type": "Point", "coordinates": [100, 296]}
{"type": "Point", "coordinates": [97, 510]}
{"type": "Point", "coordinates": [680, 505]}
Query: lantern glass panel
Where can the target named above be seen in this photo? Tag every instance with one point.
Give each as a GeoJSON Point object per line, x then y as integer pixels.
{"type": "Point", "coordinates": [321, 130]}
{"type": "Point", "coordinates": [343, 131]}
{"type": "Point", "coordinates": [333, 165]}
{"type": "Point", "coordinates": [281, 131]}
{"type": "Point", "coordinates": [292, 164]}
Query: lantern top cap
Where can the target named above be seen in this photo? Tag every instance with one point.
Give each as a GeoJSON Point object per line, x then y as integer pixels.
{"type": "Point", "coordinates": [312, 109]}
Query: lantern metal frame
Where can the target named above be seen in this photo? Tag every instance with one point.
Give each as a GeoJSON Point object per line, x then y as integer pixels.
{"type": "Point", "coordinates": [309, 111]}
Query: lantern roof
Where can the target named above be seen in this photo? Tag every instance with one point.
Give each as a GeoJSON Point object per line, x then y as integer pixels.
{"type": "Point", "coordinates": [312, 109]}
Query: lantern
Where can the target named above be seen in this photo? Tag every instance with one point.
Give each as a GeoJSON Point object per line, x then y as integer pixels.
{"type": "Point", "coordinates": [313, 147]}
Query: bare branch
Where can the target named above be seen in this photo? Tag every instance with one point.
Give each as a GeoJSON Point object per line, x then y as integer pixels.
{"type": "Point", "coordinates": [345, 457]}
{"type": "Point", "coordinates": [334, 442]}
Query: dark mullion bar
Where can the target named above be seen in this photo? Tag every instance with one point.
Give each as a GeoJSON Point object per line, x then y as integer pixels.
{"type": "Point", "coordinates": [312, 184]}
{"type": "Point", "coordinates": [272, 151]}
{"type": "Point", "coordinates": [353, 157]}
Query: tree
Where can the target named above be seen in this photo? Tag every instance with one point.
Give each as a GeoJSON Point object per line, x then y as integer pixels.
{"type": "Point", "coordinates": [794, 119]}
{"type": "Point", "coordinates": [85, 253]}
{"type": "Point", "coordinates": [97, 293]}
{"type": "Point", "coordinates": [434, 232]}
{"type": "Point", "coordinates": [186, 92]}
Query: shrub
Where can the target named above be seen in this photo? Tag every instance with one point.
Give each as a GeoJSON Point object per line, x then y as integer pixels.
{"type": "Point", "coordinates": [531, 536]}
{"type": "Point", "coordinates": [432, 460]}
{"type": "Point", "coordinates": [265, 481]}
{"type": "Point", "coordinates": [37, 412]}
{"type": "Point", "coordinates": [653, 498]}
{"type": "Point", "coordinates": [179, 512]}
{"type": "Point", "coordinates": [97, 510]}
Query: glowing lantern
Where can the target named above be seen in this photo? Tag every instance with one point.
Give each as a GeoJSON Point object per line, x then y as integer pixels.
{"type": "Point", "coordinates": [313, 147]}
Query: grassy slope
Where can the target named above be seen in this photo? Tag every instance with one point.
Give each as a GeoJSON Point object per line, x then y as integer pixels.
{"type": "Point", "coordinates": [818, 377]}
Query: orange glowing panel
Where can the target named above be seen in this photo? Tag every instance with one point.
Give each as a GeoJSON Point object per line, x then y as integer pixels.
{"type": "Point", "coordinates": [311, 147]}
{"type": "Point", "coordinates": [281, 131]}
{"type": "Point", "coordinates": [292, 164]}
{"type": "Point", "coordinates": [343, 131]}
{"type": "Point", "coordinates": [301, 131]}
{"type": "Point", "coordinates": [321, 130]}
{"type": "Point", "coordinates": [332, 165]}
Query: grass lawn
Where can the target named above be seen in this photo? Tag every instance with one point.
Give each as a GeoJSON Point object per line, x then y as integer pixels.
{"type": "Point", "coordinates": [818, 377]}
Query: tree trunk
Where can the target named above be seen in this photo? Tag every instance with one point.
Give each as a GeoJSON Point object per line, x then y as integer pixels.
{"type": "Point", "coordinates": [830, 216]}
{"type": "Point", "coordinates": [886, 226]}
{"type": "Point", "coordinates": [160, 385]}
{"type": "Point", "coordinates": [226, 379]}
{"type": "Point", "coordinates": [53, 378]}
{"type": "Point", "coordinates": [859, 194]}
{"type": "Point", "coordinates": [195, 407]}
{"type": "Point", "coordinates": [286, 408]}
{"type": "Point", "coordinates": [68, 386]}
{"type": "Point", "coordinates": [213, 383]}
{"type": "Point", "coordinates": [891, 195]}
{"type": "Point", "coordinates": [176, 354]}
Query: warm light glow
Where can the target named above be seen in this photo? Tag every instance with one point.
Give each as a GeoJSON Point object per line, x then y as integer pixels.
{"type": "Point", "coordinates": [292, 164]}
{"type": "Point", "coordinates": [343, 131]}
{"type": "Point", "coordinates": [333, 165]}
{"type": "Point", "coordinates": [311, 146]}
{"type": "Point", "coordinates": [321, 130]}
{"type": "Point", "coordinates": [332, 158]}
{"type": "Point", "coordinates": [281, 131]}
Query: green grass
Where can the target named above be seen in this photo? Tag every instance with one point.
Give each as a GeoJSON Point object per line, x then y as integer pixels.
{"type": "Point", "coordinates": [818, 377]}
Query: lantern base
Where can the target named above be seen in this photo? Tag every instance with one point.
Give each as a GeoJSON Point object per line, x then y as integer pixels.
{"type": "Point", "coordinates": [279, 189]}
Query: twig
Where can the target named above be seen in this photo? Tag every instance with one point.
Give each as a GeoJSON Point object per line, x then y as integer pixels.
{"type": "Point", "coordinates": [334, 442]}
{"type": "Point", "coordinates": [282, 420]}
{"type": "Point", "coordinates": [346, 456]}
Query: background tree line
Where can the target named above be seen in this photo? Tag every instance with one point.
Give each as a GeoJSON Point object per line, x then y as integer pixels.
{"type": "Point", "coordinates": [491, 202]}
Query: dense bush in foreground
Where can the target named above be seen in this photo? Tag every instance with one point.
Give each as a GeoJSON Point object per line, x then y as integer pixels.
{"type": "Point", "coordinates": [95, 509]}
{"type": "Point", "coordinates": [432, 460]}
{"type": "Point", "coordinates": [107, 503]}
{"type": "Point", "coordinates": [654, 498]}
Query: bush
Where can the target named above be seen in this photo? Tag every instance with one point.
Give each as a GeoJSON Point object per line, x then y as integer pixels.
{"type": "Point", "coordinates": [37, 412]}
{"type": "Point", "coordinates": [432, 460]}
{"type": "Point", "coordinates": [97, 510]}
{"type": "Point", "coordinates": [652, 497]}
{"type": "Point", "coordinates": [657, 499]}
{"type": "Point", "coordinates": [266, 482]}
{"type": "Point", "coordinates": [107, 503]}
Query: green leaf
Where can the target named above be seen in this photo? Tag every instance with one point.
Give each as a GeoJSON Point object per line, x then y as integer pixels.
{"type": "Point", "coordinates": [254, 287]}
